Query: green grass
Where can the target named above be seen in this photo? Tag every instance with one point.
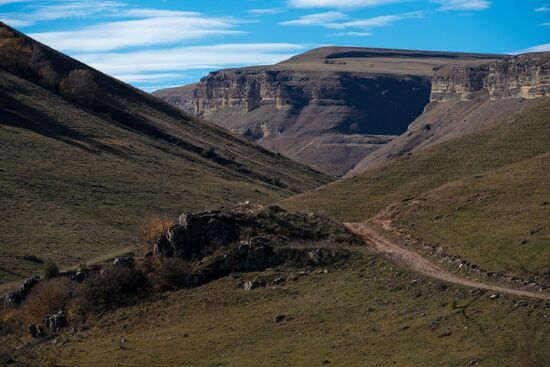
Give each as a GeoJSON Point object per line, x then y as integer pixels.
{"type": "Point", "coordinates": [500, 220]}
{"type": "Point", "coordinates": [366, 313]}
{"type": "Point", "coordinates": [512, 158]}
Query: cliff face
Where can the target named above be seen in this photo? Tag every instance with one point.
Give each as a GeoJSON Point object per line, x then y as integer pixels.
{"type": "Point", "coordinates": [524, 76]}
{"type": "Point", "coordinates": [328, 108]}
{"type": "Point", "coordinates": [468, 97]}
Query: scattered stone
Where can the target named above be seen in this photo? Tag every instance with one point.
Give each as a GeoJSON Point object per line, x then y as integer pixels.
{"type": "Point", "coordinates": [278, 280]}
{"type": "Point", "coordinates": [125, 261]}
{"type": "Point", "coordinates": [80, 275]}
{"type": "Point", "coordinates": [279, 318]}
{"type": "Point", "coordinates": [13, 299]}
{"type": "Point", "coordinates": [55, 322]}
{"type": "Point", "coordinates": [33, 259]}
{"type": "Point", "coordinates": [523, 242]}
{"type": "Point", "coordinates": [253, 284]}
{"type": "Point", "coordinates": [473, 362]}
{"type": "Point", "coordinates": [36, 332]}
{"type": "Point", "coordinates": [494, 296]}
{"type": "Point", "coordinates": [445, 334]}
{"type": "Point", "coordinates": [326, 361]}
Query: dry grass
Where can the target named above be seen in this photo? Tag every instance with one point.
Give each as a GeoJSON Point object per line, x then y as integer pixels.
{"type": "Point", "coordinates": [46, 298]}
{"type": "Point", "coordinates": [369, 313]}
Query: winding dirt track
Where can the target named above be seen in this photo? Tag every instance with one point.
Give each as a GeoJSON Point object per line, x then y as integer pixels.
{"type": "Point", "coordinates": [419, 264]}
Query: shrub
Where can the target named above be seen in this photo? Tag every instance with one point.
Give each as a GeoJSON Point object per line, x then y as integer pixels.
{"type": "Point", "coordinates": [46, 298]}
{"type": "Point", "coordinates": [51, 270]}
{"type": "Point", "coordinates": [152, 228]}
{"type": "Point", "coordinates": [81, 87]}
{"type": "Point", "coordinates": [114, 287]}
{"type": "Point", "coordinates": [171, 274]}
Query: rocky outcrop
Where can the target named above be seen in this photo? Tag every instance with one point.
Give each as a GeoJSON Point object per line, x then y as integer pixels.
{"type": "Point", "coordinates": [328, 108]}
{"type": "Point", "coordinates": [252, 238]}
{"type": "Point", "coordinates": [524, 76]}
{"type": "Point", "coordinates": [257, 228]}
{"type": "Point", "coordinates": [466, 98]}
{"type": "Point", "coordinates": [13, 299]}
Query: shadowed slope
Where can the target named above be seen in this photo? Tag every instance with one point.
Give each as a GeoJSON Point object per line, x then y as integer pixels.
{"type": "Point", "coordinates": [84, 158]}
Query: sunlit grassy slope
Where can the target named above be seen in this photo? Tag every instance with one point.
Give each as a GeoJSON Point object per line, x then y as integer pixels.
{"type": "Point", "coordinates": [506, 165]}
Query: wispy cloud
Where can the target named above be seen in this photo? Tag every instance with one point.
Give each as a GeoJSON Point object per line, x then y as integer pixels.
{"type": "Point", "coordinates": [538, 48]}
{"type": "Point", "coordinates": [545, 7]}
{"type": "Point", "coordinates": [341, 3]}
{"type": "Point", "coordinates": [160, 29]}
{"type": "Point", "coordinates": [6, 2]}
{"type": "Point", "coordinates": [336, 20]}
{"type": "Point", "coordinates": [351, 34]}
{"type": "Point", "coordinates": [320, 19]}
{"type": "Point", "coordinates": [266, 11]}
{"type": "Point", "coordinates": [47, 11]}
{"type": "Point", "coordinates": [463, 5]}
{"type": "Point", "coordinates": [134, 64]}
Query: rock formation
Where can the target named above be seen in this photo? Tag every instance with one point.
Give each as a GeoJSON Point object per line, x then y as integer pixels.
{"type": "Point", "coordinates": [468, 97]}
{"type": "Point", "coordinates": [328, 108]}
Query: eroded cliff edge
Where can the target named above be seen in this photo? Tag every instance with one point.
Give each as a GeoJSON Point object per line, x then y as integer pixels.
{"type": "Point", "coordinates": [328, 108]}
{"type": "Point", "coordinates": [468, 97]}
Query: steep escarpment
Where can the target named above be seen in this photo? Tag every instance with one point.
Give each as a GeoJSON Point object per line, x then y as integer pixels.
{"type": "Point", "coordinates": [524, 76]}
{"type": "Point", "coordinates": [327, 108]}
{"type": "Point", "coordinates": [468, 97]}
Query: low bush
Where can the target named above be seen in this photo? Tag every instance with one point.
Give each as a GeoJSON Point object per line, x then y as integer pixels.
{"type": "Point", "coordinates": [46, 298]}
{"type": "Point", "coordinates": [113, 287]}
{"type": "Point", "coordinates": [171, 274]}
{"type": "Point", "coordinates": [51, 270]}
{"type": "Point", "coordinates": [150, 231]}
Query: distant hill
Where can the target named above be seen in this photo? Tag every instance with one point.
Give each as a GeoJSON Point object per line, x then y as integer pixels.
{"type": "Point", "coordinates": [84, 158]}
{"type": "Point", "coordinates": [329, 107]}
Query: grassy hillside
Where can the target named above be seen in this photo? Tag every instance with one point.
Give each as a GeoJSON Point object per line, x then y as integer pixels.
{"type": "Point", "coordinates": [500, 219]}
{"type": "Point", "coordinates": [368, 313]}
{"type": "Point", "coordinates": [85, 158]}
{"type": "Point", "coordinates": [514, 151]}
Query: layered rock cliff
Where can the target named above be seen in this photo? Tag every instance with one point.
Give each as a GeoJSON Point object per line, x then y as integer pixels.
{"type": "Point", "coordinates": [524, 76]}
{"type": "Point", "coordinates": [328, 108]}
{"type": "Point", "coordinates": [468, 97]}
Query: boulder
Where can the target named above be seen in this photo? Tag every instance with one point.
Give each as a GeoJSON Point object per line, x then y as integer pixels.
{"type": "Point", "coordinates": [125, 261]}
{"type": "Point", "coordinates": [15, 298]}
{"type": "Point", "coordinates": [55, 322]}
{"type": "Point", "coordinates": [253, 284]}
{"type": "Point", "coordinates": [36, 332]}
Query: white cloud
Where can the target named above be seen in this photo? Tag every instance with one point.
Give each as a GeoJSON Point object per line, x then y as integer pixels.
{"type": "Point", "coordinates": [155, 31]}
{"type": "Point", "coordinates": [340, 3]}
{"type": "Point", "coordinates": [333, 20]}
{"type": "Point", "coordinates": [316, 19]}
{"type": "Point", "coordinates": [546, 7]}
{"type": "Point", "coordinates": [267, 11]}
{"type": "Point", "coordinates": [48, 11]}
{"type": "Point", "coordinates": [188, 58]}
{"type": "Point", "coordinates": [351, 34]}
{"type": "Point", "coordinates": [463, 5]}
{"type": "Point", "coordinates": [149, 78]}
{"type": "Point", "coordinates": [6, 2]}
{"type": "Point", "coordinates": [538, 48]}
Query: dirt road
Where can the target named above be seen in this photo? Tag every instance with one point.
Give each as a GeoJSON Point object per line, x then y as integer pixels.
{"type": "Point", "coordinates": [419, 264]}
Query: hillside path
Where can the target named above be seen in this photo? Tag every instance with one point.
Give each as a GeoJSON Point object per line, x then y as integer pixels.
{"type": "Point", "coordinates": [417, 263]}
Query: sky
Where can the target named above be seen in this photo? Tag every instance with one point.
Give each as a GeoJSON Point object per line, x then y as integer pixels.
{"type": "Point", "coordinates": [155, 44]}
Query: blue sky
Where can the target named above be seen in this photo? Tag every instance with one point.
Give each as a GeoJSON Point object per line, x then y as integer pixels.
{"type": "Point", "coordinates": [155, 44]}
